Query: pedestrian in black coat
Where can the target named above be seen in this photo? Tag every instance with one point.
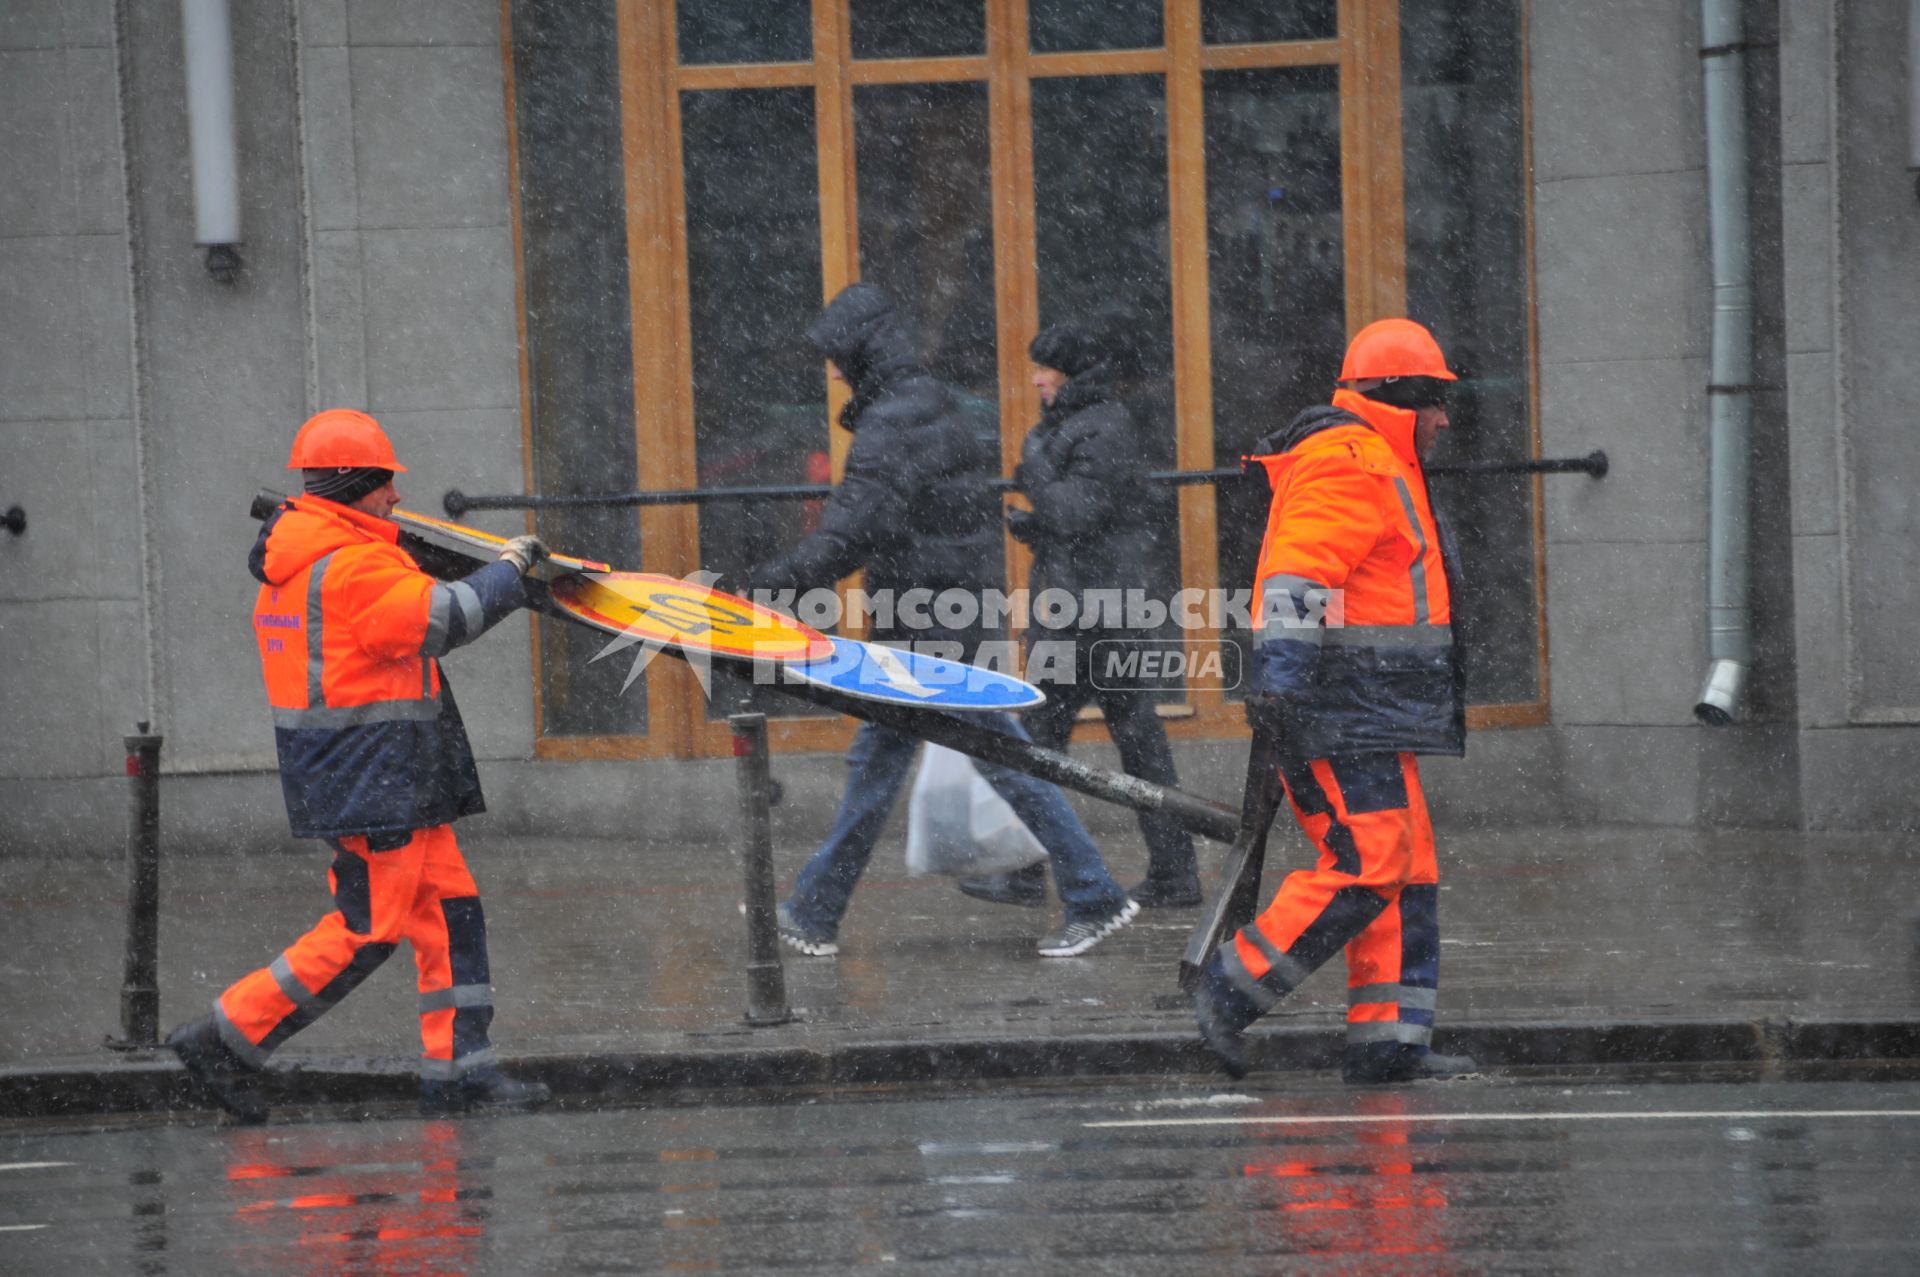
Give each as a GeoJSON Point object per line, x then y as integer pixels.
{"type": "Point", "coordinates": [918, 510]}
{"type": "Point", "coordinates": [1083, 469]}
{"type": "Point", "coordinates": [917, 507]}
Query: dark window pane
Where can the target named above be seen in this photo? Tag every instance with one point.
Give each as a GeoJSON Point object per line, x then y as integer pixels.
{"type": "Point", "coordinates": [753, 277]}
{"type": "Point", "coordinates": [1276, 272]}
{"type": "Point", "coordinates": [1467, 280]}
{"type": "Point", "coordinates": [917, 29]}
{"type": "Point", "coordinates": [744, 30]}
{"type": "Point", "coordinates": [1067, 26]}
{"type": "Point", "coordinates": [1100, 223]}
{"type": "Point", "coordinates": [1259, 21]}
{"type": "Point", "coordinates": [573, 226]}
{"type": "Point", "coordinates": [926, 220]}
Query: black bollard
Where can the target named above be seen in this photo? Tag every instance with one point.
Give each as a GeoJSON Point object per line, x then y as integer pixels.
{"type": "Point", "coordinates": [139, 987]}
{"type": "Point", "coordinates": [766, 977]}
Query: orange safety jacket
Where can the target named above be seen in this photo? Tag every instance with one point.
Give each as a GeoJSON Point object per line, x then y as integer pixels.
{"type": "Point", "coordinates": [349, 629]}
{"type": "Point", "coordinates": [1353, 613]}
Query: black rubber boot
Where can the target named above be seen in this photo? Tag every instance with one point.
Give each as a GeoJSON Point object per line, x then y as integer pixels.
{"type": "Point", "coordinates": [1025, 888]}
{"type": "Point", "coordinates": [218, 1074]}
{"type": "Point", "coordinates": [482, 1091]}
{"type": "Point", "coordinates": [1380, 1063]}
{"type": "Point", "coordinates": [1223, 1014]}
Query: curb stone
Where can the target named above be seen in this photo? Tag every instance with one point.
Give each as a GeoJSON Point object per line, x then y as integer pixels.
{"type": "Point", "coordinates": [155, 1082]}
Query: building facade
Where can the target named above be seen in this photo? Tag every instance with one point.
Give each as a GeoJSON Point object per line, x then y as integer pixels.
{"type": "Point", "coordinates": [570, 248]}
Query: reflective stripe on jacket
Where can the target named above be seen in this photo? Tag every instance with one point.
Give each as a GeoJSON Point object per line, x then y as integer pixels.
{"type": "Point", "coordinates": [348, 627]}
{"type": "Point", "coordinates": [1352, 610]}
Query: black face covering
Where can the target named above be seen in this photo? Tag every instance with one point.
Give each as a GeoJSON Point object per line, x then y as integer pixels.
{"type": "Point", "coordinates": [1409, 392]}
{"type": "Point", "coordinates": [346, 484]}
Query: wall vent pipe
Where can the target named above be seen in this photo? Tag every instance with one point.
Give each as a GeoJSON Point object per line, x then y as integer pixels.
{"type": "Point", "coordinates": [206, 30]}
{"type": "Point", "coordinates": [1730, 390]}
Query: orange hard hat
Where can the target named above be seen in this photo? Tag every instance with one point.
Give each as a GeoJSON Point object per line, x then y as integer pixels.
{"type": "Point", "coordinates": [1394, 348]}
{"type": "Point", "coordinates": [342, 438]}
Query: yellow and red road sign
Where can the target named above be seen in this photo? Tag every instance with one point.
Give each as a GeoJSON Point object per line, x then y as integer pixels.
{"type": "Point", "coordinates": [666, 610]}
{"type": "Point", "coordinates": [458, 536]}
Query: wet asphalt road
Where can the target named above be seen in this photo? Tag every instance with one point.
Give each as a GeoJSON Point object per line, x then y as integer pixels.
{"type": "Point", "coordinates": [1280, 1174]}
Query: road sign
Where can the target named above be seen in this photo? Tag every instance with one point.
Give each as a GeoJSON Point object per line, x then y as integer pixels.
{"type": "Point", "coordinates": [458, 536]}
{"type": "Point", "coordinates": [876, 673]}
{"type": "Point", "coordinates": [686, 615]}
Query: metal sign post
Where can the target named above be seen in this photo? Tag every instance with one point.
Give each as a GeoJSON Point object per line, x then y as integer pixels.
{"type": "Point", "coordinates": [766, 978]}
{"type": "Point", "coordinates": [139, 986]}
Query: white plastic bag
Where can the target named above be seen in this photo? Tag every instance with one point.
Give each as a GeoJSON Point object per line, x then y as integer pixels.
{"type": "Point", "coordinates": [958, 827]}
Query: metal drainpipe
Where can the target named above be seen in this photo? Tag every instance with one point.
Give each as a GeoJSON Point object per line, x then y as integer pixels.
{"type": "Point", "coordinates": [1913, 92]}
{"type": "Point", "coordinates": [1729, 395]}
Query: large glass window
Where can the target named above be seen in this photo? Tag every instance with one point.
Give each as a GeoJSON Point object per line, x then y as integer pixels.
{"type": "Point", "coordinates": [926, 220]}
{"type": "Point", "coordinates": [753, 283]}
{"type": "Point", "coordinates": [573, 231]}
{"type": "Point", "coordinates": [920, 29]}
{"type": "Point", "coordinates": [1066, 26]}
{"type": "Point", "coordinates": [1211, 180]}
{"type": "Point", "coordinates": [1276, 269]}
{"type": "Point", "coordinates": [1466, 245]}
{"type": "Point", "coordinates": [744, 31]}
{"type": "Point", "coordinates": [1252, 21]}
{"type": "Point", "coordinates": [1101, 259]}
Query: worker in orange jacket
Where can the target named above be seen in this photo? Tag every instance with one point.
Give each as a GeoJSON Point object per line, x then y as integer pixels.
{"type": "Point", "coordinates": [374, 759]}
{"type": "Point", "coordinates": [1355, 664]}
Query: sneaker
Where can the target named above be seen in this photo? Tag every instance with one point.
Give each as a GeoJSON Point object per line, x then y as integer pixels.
{"type": "Point", "coordinates": [218, 1074]}
{"type": "Point", "coordinates": [1177, 892]}
{"type": "Point", "coordinates": [1077, 937]}
{"type": "Point", "coordinates": [485, 1090]}
{"type": "Point", "coordinates": [808, 940]}
{"type": "Point", "coordinates": [1377, 1063]}
{"type": "Point", "coordinates": [1024, 888]}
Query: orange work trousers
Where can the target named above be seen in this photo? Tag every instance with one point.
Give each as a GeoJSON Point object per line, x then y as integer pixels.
{"type": "Point", "coordinates": [1373, 892]}
{"type": "Point", "coordinates": [413, 887]}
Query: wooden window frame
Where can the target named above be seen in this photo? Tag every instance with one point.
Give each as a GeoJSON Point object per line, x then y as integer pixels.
{"type": "Point", "coordinates": [1366, 53]}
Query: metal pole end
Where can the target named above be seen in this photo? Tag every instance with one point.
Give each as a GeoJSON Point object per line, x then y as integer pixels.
{"type": "Point", "coordinates": [1720, 698]}
{"type": "Point", "coordinates": [223, 263]}
{"type": "Point", "coordinates": [14, 520]}
{"type": "Point", "coordinates": [768, 1019]}
{"type": "Point", "coordinates": [454, 502]}
{"type": "Point", "coordinates": [1597, 463]}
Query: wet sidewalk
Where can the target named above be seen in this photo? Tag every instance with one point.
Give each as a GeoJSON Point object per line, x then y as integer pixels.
{"type": "Point", "coordinates": [622, 967]}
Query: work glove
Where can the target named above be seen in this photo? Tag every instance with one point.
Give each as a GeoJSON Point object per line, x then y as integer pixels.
{"type": "Point", "coordinates": [525, 552]}
{"type": "Point", "coordinates": [1268, 712]}
{"type": "Point", "coordinates": [1023, 526]}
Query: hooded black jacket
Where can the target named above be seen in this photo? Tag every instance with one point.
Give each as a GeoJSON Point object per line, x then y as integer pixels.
{"type": "Point", "coordinates": [917, 508]}
{"type": "Point", "coordinates": [1083, 468]}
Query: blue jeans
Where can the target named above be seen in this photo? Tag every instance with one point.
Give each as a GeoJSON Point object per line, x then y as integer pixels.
{"type": "Point", "coordinates": [877, 770]}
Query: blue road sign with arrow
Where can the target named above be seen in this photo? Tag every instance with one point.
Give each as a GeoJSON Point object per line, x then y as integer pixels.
{"type": "Point", "coordinates": [898, 676]}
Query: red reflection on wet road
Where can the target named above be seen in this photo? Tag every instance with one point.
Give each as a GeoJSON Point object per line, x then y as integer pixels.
{"type": "Point", "coordinates": [1375, 1202]}
{"type": "Point", "coordinates": [420, 1210]}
